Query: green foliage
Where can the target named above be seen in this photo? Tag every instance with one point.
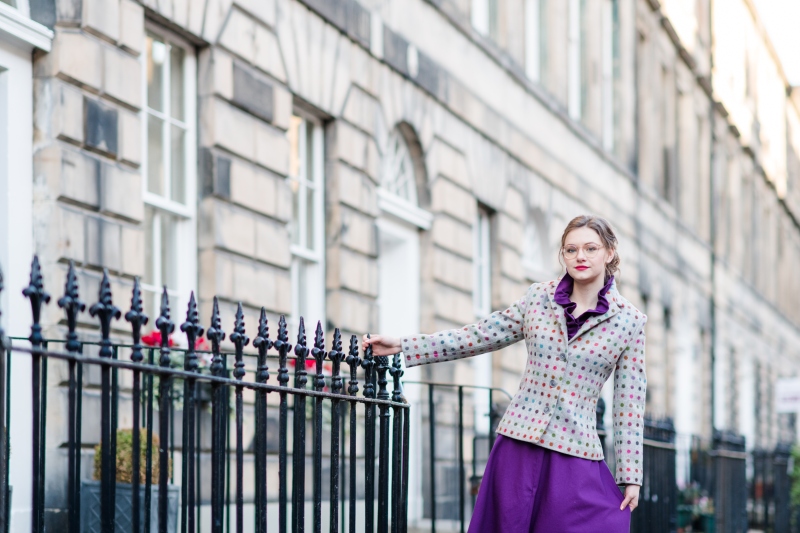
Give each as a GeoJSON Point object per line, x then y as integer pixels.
{"type": "Point", "coordinates": [795, 476]}
{"type": "Point", "coordinates": [124, 458]}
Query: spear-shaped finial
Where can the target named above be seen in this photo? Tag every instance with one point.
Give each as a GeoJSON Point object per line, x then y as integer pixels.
{"type": "Point", "coordinates": [353, 361]}
{"type": "Point", "coordinates": [239, 340]}
{"type": "Point", "coordinates": [336, 356]}
{"type": "Point", "coordinates": [166, 326]}
{"type": "Point", "coordinates": [301, 351]}
{"type": "Point", "coordinates": [318, 353]}
{"type": "Point", "coordinates": [137, 318]}
{"type": "Point", "coordinates": [72, 305]}
{"type": "Point", "coordinates": [36, 294]}
{"type": "Point", "coordinates": [216, 336]}
{"type": "Point", "coordinates": [283, 347]}
{"type": "Point", "coordinates": [105, 310]}
{"type": "Point", "coordinates": [263, 343]}
{"type": "Point", "coordinates": [368, 364]}
{"type": "Point", "coordinates": [193, 331]}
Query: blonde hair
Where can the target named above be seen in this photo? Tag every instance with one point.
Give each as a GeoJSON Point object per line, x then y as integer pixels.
{"type": "Point", "coordinates": [603, 228]}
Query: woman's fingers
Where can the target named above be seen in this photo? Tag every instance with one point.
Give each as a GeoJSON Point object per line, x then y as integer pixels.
{"type": "Point", "coordinates": [632, 501]}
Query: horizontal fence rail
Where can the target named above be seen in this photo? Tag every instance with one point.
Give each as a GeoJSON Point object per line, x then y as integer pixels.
{"type": "Point", "coordinates": [207, 449]}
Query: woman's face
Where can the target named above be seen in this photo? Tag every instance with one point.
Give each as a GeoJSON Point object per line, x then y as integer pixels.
{"type": "Point", "coordinates": [585, 256]}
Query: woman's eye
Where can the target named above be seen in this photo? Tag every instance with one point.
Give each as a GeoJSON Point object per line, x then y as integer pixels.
{"type": "Point", "coordinates": [571, 251]}
{"type": "Point", "coordinates": [591, 249]}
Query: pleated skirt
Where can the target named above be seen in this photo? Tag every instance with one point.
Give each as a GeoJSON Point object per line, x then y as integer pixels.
{"type": "Point", "coordinates": [530, 489]}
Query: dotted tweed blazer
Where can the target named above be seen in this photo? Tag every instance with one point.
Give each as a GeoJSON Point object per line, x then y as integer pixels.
{"type": "Point", "coordinates": [557, 398]}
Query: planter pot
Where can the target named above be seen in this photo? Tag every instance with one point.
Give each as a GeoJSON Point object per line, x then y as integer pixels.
{"type": "Point", "coordinates": [709, 523]}
{"type": "Point", "coordinates": [90, 507]}
{"type": "Point", "coordinates": [685, 515]}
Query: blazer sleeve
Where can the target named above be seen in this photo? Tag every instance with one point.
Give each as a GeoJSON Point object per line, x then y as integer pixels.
{"type": "Point", "coordinates": [498, 330]}
{"type": "Point", "coordinates": [630, 388]}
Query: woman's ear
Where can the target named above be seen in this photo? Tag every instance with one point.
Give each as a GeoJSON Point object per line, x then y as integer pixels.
{"type": "Point", "coordinates": [611, 256]}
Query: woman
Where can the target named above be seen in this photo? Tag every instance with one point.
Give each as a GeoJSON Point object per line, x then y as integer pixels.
{"type": "Point", "coordinates": [546, 472]}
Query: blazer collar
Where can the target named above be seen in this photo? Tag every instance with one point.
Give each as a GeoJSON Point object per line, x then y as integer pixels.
{"type": "Point", "coordinates": [612, 295]}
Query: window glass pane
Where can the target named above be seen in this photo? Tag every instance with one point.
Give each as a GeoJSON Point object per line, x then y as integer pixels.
{"type": "Point", "coordinates": [155, 155]}
{"type": "Point", "coordinates": [156, 57]}
{"type": "Point", "coordinates": [169, 248]}
{"type": "Point", "coordinates": [295, 225]}
{"type": "Point", "coordinates": [149, 273]}
{"type": "Point", "coordinates": [310, 211]}
{"type": "Point", "coordinates": [176, 77]}
{"type": "Point", "coordinates": [294, 146]}
{"type": "Point", "coordinates": [302, 289]}
{"type": "Point", "coordinates": [178, 170]}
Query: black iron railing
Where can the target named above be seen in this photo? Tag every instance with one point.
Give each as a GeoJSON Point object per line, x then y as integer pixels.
{"type": "Point", "coordinates": [658, 497]}
{"type": "Point", "coordinates": [155, 387]}
{"type": "Point", "coordinates": [770, 489]}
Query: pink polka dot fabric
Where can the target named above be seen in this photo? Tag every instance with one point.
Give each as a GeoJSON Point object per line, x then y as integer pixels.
{"type": "Point", "coordinates": [557, 398]}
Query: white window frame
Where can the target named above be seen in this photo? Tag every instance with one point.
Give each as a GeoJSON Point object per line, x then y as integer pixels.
{"type": "Point", "coordinates": [186, 230]}
{"type": "Point", "coordinates": [533, 39]}
{"type": "Point", "coordinates": [608, 74]}
{"type": "Point", "coordinates": [482, 265]}
{"type": "Point", "coordinates": [312, 257]}
{"type": "Point", "coordinates": [484, 15]}
{"type": "Point", "coordinates": [574, 60]}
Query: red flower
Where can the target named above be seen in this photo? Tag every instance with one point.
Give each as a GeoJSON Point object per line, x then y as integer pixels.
{"type": "Point", "coordinates": [202, 344]}
{"type": "Point", "coordinates": [154, 339]}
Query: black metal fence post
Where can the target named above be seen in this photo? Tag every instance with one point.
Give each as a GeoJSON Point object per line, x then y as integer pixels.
{"type": "Point", "coordinates": [336, 356]}
{"type": "Point", "coordinates": [166, 327]}
{"type": "Point", "coordinates": [283, 347]}
{"type": "Point", "coordinates": [193, 331]}
{"type": "Point", "coordinates": [218, 416]}
{"type": "Point", "coordinates": [37, 296]}
{"type": "Point", "coordinates": [353, 361]}
{"type": "Point", "coordinates": [137, 319]}
{"type": "Point", "coordinates": [105, 311]}
{"type": "Point", "coordinates": [299, 440]}
{"type": "Point", "coordinates": [319, 354]}
{"type": "Point", "coordinates": [262, 343]}
{"type": "Point", "coordinates": [72, 305]}
{"type": "Point", "coordinates": [369, 444]}
{"type": "Point", "coordinates": [240, 340]}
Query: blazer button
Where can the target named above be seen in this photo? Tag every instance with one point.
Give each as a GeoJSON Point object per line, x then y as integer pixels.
{"type": "Point", "coordinates": [546, 409]}
{"type": "Point", "coordinates": [553, 383]}
{"type": "Point", "coordinates": [562, 356]}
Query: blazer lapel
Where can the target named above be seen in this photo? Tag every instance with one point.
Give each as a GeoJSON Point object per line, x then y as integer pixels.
{"type": "Point", "coordinates": [558, 310]}
{"type": "Point", "coordinates": [613, 309]}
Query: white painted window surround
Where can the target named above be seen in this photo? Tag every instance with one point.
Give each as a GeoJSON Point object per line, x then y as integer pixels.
{"type": "Point", "coordinates": [170, 184]}
{"type": "Point", "coordinates": [19, 36]}
{"type": "Point", "coordinates": [307, 180]}
{"type": "Point", "coordinates": [482, 304]}
{"type": "Point", "coordinates": [574, 60]}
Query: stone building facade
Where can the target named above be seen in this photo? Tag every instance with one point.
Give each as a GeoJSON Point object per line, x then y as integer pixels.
{"type": "Point", "coordinates": [395, 165]}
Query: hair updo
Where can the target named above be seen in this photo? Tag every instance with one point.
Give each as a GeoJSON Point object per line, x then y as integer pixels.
{"type": "Point", "coordinates": [602, 227]}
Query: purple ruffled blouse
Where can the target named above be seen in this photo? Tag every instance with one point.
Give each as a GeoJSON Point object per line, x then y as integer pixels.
{"type": "Point", "coordinates": [562, 297]}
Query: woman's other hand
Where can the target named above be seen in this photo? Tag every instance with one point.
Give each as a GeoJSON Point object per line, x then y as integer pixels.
{"type": "Point", "coordinates": [382, 344]}
{"type": "Point", "coordinates": [631, 497]}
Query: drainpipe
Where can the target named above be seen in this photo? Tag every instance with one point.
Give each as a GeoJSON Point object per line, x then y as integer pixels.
{"type": "Point", "coordinates": [712, 217]}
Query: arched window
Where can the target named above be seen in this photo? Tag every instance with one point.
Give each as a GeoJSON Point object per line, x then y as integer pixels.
{"type": "Point", "coordinates": [397, 174]}
{"type": "Point", "coordinates": [402, 170]}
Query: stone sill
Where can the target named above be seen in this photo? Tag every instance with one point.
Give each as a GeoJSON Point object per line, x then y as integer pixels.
{"type": "Point", "coordinates": [22, 31]}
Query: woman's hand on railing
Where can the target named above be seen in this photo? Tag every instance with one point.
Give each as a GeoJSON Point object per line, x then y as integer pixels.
{"type": "Point", "coordinates": [382, 344]}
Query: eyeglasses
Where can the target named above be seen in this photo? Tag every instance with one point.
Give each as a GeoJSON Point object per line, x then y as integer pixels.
{"type": "Point", "coordinates": [590, 250]}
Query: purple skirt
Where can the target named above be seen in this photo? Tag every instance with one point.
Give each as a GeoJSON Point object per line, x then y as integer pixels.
{"type": "Point", "coordinates": [530, 489]}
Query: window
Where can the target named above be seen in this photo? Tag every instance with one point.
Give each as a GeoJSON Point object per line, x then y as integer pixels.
{"type": "Point", "coordinates": [169, 186]}
{"type": "Point", "coordinates": [611, 72]}
{"type": "Point", "coordinates": [536, 40]}
{"type": "Point", "coordinates": [534, 256]}
{"type": "Point", "coordinates": [485, 17]}
{"type": "Point", "coordinates": [574, 67]}
{"type": "Point", "coordinates": [482, 293]}
{"type": "Point", "coordinates": [307, 229]}
{"type": "Point", "coordinates": [398, 176]}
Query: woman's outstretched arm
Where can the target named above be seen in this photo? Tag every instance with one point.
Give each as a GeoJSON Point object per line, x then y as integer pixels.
{"type": "Point", "coordinates": [494, 332]}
